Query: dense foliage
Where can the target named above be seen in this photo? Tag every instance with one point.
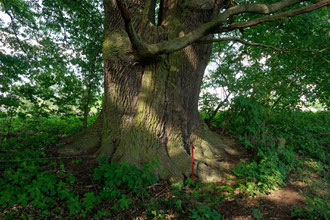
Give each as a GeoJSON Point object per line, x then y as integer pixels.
{"type": "Point", "coordinates": [265, 97]}
{"type": "Point", "coordinates": [51, 61]}
{"type": "Point", "coordinates": [50, 88]}
{"type": "Point", "coordinates": [36, 183]}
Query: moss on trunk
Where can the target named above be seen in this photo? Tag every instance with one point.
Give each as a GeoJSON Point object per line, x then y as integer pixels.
{"type": "Point", "coordinates": [151, 106]}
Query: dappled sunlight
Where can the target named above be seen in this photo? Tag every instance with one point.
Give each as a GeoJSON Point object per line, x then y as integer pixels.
{"type": "Point", "coordinates": [215, 158]}
{"type": "Point", "coordinates": [275, 205]}
{"type": "Point", "coordinates": [191, 56]}
{"type": "Point", "coordinates": [298, 184]}
{"type": "Point", "coordinates": [232, 151]}
{"type": "Point", "coordinates": [226, 164]}
{"type": "Point", "coordinates": [148, 152]}
{"type": "Point", "coordinates": [285, 196]}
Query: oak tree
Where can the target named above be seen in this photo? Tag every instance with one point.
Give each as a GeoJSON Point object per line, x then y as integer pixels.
{"type": "Point", "coordinates": [155, 54]}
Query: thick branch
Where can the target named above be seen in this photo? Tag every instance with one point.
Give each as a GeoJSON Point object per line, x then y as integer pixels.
{"type": "Point", "coordinates": [145, 15]}
{"type": "Point", "coordinates": [138, 44]}
{"type": "Point", "coordinates": [236, 39]}
{"type": "Point", "coordinates": [147, 50]}
{"type": "Point", "coordinates": [279, 16]}
{"type": "Point", "coordinates": [207, 28]}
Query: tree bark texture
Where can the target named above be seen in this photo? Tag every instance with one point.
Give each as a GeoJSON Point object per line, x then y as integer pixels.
{"type": "Point", "coordinates": [153, 74]}
{"type": "Point", "coordinates": [150, 107]}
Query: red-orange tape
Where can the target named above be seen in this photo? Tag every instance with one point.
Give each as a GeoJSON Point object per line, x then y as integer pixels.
{"type": "Point", "coordinates": [192, 161]}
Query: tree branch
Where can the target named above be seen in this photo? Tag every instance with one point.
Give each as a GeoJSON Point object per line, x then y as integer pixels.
{"type": "Point", "coordinates": [279, 16]}
{"type": "Point", "coordinates": [214, 113]}
{"type": "Point", "coordinates": [15, 32]}
{"type": "Point", "coordinates": [145, 16]}
{"type": "Point", "coordinates": [207, 28]}
{"type": "Point", "coordinates": [138, 44]}
{"type": "Point", "coordinates": [236, 39]}
{"type": "Point", "coordinates": [148, 50]}
{"type": "Point", "coordinates": [62, 21]}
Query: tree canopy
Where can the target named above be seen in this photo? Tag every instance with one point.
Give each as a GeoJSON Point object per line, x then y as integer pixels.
{"type": "Point", "coordinates": [122, 85]}
{"type": "Point", "coordinates": [56, 45]}
{"type": "Point", "coordinates": [51, 55]}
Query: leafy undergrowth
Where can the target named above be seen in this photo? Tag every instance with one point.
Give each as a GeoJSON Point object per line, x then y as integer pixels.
{"type": "Point", "coordinates": [36, 184]}
{"type": "Point", "coordinates": [283, 144]}
{"type": "Point", "coordinates": [316, 178]}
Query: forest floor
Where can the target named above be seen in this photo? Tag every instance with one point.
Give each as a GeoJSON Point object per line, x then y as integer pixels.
{"type": "Point", "coordinates": [35, 183]}
{"type": "Point", "coordinates": [276, 204]}
{"type": "Point", "coordinates": [238, 205]}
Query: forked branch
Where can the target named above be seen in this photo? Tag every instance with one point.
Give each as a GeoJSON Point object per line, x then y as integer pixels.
{"type": "Point", "coordinates": [279, 16]}
{"type": "Point", "coordinates": [147, 50]}
{"type": "Point", "coordinates": [137, 42]}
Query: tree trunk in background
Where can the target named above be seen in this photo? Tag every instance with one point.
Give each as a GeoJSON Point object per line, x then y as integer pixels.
{"type": "Point", "coordinates": [86, 106]}
{"type": "Point", "coordinates": [90, 86]}
{"type": "Point", "coordinates": [151, 106]}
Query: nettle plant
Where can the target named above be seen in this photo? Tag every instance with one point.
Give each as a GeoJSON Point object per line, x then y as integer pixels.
{"type": "Point", "coordinates": [123, 182]}
{"type": "Point", "coordinates": [32, 185]}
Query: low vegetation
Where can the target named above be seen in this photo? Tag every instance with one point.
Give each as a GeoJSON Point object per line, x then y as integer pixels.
{"type": "Point", "coordinates": [37, 184]}
{"type": "Point", "coordinates": [273, 105]}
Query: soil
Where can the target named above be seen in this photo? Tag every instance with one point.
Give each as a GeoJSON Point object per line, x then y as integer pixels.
{"type": "Point", "coordinates": [277, 204]}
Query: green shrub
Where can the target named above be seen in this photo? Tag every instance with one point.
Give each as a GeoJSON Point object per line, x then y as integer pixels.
{"type": "Point", "coordinates": [30, 181]}
{"type": "Point", "coordinates": [317, 208]}
{"type": "Point", "coordinates": [202, 212]}
{"type": "Point", "coordinates": [30, 185]}
{"type": "Point", "coordinates": [114, 177]}
{"type": "Point", "coordinates": [306, 132]}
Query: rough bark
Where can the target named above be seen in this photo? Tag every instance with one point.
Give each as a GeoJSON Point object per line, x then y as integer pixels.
{"type": "Point", "coordinates": [150, 104]}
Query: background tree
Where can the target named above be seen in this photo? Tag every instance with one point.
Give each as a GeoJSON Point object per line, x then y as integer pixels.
{"type": "Point", "coordinates": [57, 55]}
{"type": "Point", "coordinates": [280, 80]}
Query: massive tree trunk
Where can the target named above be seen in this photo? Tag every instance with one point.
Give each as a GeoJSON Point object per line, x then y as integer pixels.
{"type": "Point", "coordinates": [150, 105]}
{"type": "Point", "coordinates": [153, 75]}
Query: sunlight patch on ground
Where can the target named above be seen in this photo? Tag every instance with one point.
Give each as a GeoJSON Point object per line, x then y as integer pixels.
{"type": "Point", "coordinates": [285, 196]}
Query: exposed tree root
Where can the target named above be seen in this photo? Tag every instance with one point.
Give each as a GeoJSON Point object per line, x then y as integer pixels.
{"type": "Point", "coordinates": [84, 142]}
{"type": "Point", "coordinates": [212, 157]}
